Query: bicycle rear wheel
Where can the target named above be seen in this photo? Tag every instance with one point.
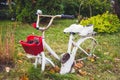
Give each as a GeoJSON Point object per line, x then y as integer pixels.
{"type": "Point", "coordinates": [85, 48]}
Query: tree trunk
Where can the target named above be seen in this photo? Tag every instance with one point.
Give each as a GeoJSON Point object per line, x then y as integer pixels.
{"type": "Point", "coordinates": [90, 10]}
{"type": "Point", "coordinates": [116, 8]}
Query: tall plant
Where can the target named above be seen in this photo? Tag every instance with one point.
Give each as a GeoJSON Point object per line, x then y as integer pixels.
{"type": "Point", "coordinates": [7, 48]}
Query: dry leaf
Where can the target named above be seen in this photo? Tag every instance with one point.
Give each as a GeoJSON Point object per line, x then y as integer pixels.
{"type": "Point", "coordinates": [117, 59]}
{"type": "Point", "coordinates": [57, 69]}
{"type": "Point", "coordinates": [88, 50]}
{"type": "Point", "coordinates": [83, 73]}
{"type": "Point", "coordinates": [24, 77]}
{"type": "Point", "coordinates": [52, 70]}
{"type": "Point", "coordinates": [91, 58]}
{"type": "Point", "coordinates": [91, 78]}
{"type": "Point", "coordinates": [20, 54]}
{"type": "Point", "coordinates": [20, 61]}
{"type": "Point", "coordinates": [78, 64]}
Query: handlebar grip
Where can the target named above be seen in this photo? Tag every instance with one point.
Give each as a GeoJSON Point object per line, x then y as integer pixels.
{"type": "Point", "coordinates": [34, 25]}
{"type": "Point", "coordinates": [67, 16]}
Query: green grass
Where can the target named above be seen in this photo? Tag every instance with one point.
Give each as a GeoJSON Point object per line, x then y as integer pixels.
{"type": "Point", "coordinates": [106, 67]}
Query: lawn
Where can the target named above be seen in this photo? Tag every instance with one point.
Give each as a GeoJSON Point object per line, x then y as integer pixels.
{"type": "Point", "coordinates": [106, 67]}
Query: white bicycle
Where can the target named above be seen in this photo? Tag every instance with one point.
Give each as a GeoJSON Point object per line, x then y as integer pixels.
{"type": "Point", "coordinates": [85, 44]}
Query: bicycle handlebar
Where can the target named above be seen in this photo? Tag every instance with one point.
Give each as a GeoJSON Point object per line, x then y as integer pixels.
{"type": "Point", "coordinates": [51, 20]}
{"type": "Point", "coordinates": [49, 24]}
{"type": "Point", "coordinates": [67, 16]}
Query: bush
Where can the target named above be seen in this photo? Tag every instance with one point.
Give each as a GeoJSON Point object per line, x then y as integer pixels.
{"type": "Point", "coordinates": [105, 23]}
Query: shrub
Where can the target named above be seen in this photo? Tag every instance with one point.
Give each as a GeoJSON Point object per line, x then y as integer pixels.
{"type": "Point", "coordinates": [105, 23]}
{"type": "Point", "coordinates": [25, 10]}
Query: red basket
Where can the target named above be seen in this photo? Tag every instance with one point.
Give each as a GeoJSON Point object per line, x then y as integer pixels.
{"type": "Point", "coordinates": [33, 45]}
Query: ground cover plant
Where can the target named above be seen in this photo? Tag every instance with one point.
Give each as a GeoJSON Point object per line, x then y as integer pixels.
{"type": "Point", "coordinates": [106, 67]}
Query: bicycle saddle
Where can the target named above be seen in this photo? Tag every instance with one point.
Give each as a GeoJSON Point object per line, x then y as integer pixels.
{"type": "Point", "coordinates": [80, 29]}
{"type": "Point", "coordinates": [75, 28]}
{"type": "Point", "coordinates": [86, 30]}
